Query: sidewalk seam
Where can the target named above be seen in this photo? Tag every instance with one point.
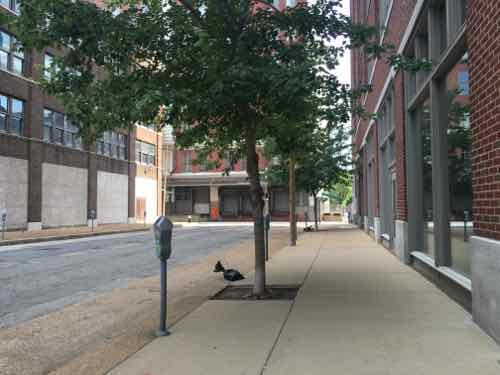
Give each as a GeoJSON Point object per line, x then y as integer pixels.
{"type": "Point", "coordinates": [275, 343]}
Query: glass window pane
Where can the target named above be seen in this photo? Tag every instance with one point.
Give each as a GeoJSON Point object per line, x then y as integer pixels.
{"type": "Point", "coordinates": [59, 120]}
{"type": "Point", "coordinates": [5, 41]}
{"type": "Point", "coordinates": [5, 3]}
{"type": "Point", "coordinates": [48, 118]}
{"type": "Point", "coordinates": [3, 122]}
{"type": "Point", "coordinates": [428, 214]}
{"type": "Point", "coordinates": [68, 139]}
{"type": "Point", "coordinates": [16, 125]}
{"type": "Point", "coordinates": [3, 103]}
{"type": "Point", "coordinates": [17, 48]}
{"type": "Point", "coordinates": [17, 107]}
{"type": "Point", "coordinates": [459, 136]}
{"type": "Point", "coordinates": [57, 135]}
{"type": "Point", "coordinates": [4, 60]}
{"type": "Point", "coordinates": [17, 65]}
{"type": "Point", "coordinates": [47, 134]}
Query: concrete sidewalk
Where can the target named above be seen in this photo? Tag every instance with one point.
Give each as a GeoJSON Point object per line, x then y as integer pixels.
{"type": "Point", "coordinates": [359, 311]}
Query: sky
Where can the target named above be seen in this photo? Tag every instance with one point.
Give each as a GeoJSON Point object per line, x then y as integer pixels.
{"type": "Point", "coordinates": [343, 71]}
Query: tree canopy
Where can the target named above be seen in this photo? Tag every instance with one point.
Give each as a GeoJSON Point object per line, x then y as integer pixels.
{"type": "Point", "coordinates": [227, 74]}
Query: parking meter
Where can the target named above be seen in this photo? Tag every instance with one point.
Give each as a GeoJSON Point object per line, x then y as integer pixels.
{"type": "Point", "coordinates": [3, 214]}
{"type": "Point", "coordinates": [92, 216]}
{"type": "Point", "coordinates": [162, 229]}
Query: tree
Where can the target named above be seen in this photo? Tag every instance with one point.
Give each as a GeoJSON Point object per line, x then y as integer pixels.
{"type": "Point", "coordinates": [226, 74]}
{"type": "Point", "coordinates": [322, 162]}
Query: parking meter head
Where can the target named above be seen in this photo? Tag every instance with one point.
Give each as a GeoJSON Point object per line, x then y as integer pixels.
{"type": "Point", "coordinates": [163, 228]}
{"type": "Point", "coordinates": [92, 214]}
{"type": "Point", "coordinates": [3, 214]}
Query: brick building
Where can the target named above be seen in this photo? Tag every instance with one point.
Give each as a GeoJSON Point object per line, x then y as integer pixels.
{"type": "Point", "coordinates": [193, 188]}
{"type": "Point", "coordinates": [427, 181]}
{"type": "Point", "coordinates": [205, 192]}
{"type": "Point", "coordinates": [48, 177]}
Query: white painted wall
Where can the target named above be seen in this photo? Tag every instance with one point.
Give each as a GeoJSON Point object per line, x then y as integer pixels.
{"type": "Point", "coordinates": [14, 191]}
{"type": "Point", "coordinates": [146, 188]}
{"type": "Point", "coordinates": [64, 195]}
{"type": "Point", "coordinates": [112, 198]}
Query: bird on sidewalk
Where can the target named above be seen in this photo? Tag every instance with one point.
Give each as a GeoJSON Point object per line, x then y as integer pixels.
{"type": "Point", "coordinates": [230, 274]}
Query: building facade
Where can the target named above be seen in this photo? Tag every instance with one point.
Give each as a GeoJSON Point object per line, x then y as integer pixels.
{"type": "Point", "coordinates": [427, 182]}
{"type": "Point", "coordinates": [48, 176]}
{"type": "Point", "coordinates": [206, 191]}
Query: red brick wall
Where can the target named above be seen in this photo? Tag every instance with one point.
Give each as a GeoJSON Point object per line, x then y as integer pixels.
{"type": "Point", "coordinates": [398, 21]}
{"type": "Point", "coordinates": [483, 24]}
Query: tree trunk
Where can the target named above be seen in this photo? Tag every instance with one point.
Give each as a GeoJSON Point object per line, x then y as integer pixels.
{"type": "Point", "coordinates": [257, 196]}
{"type": "Point", "coordinates": [292, 201]}
{"type": "Point", "coordinates": [315, 212]}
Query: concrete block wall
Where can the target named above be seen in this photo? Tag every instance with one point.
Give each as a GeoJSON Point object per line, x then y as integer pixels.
{"type": "Point", "coordinates": [146, 188]}
{"type": "Point", "coordinates": [64, 195]}
{"type": "Point", "coordinates": [14, 191]}
{"type": "Point", "coordinates": [112, 198]}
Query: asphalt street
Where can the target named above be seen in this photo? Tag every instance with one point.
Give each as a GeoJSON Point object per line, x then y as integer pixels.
{"type": "Point", "coordinates": [36, 279]}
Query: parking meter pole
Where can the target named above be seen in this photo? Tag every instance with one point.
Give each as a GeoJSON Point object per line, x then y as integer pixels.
{"type": "Point", "coordinates": [4, 223]}
{"type": "Point", "coordinates": [163, 301]}
{"type": "Point", "coordinates": [267, 244]}
{"type": "Point", "coordinates": [162, 229]}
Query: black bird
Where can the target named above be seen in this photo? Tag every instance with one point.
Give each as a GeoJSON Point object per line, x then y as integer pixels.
{"type": "Point", "coordinates": [229, 275]}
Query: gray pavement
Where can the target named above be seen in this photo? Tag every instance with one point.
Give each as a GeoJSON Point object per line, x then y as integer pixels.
{"type": "Point", "coordinates": [359, 311]}
{"type": "Point", "coordinates": [36, 279]}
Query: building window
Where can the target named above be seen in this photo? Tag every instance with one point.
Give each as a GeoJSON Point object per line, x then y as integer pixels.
{"type": "Point", "coordinates": [11, 54]}
{"type": "Point", "coordinates": [48, 66]}
{"type": "Point", "coordinates": [383, 11]}
{"type": "Point", "coordinates": [188, 161]}
{"type": "Point", "coordinates": [13, 5]}
{"type": "Point", "coordinates": [291, 3]}
{"type": "Point", "coordinates": [11, 115]}
{"type": "Point", "coordinates": [463, 82]}
{"type": "Point", "coordinates": [145, 153]}
{"type": "Point", "coordinates": [386, 135]}
{"type": "Point", "coordinates": [113, 145]}
{"type": "Point", "coordinates": [57, 128]}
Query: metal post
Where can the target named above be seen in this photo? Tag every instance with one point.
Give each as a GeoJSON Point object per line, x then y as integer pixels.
{"type": "Point", "coordinates": [466, 219]}
{"type": "Point", "coordinates": [163, 300]}
{"type": "Point", "coordinates": [4, 224]}
{"type": "Point", "coordinates": [267, 243]}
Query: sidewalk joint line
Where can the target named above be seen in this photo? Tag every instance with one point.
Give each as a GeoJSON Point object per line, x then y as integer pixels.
{"type": "Point", "coordinates": [275, 343]}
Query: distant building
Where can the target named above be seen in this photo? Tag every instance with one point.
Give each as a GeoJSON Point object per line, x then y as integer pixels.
{"type": "Point", "coordinates": [48, 177]}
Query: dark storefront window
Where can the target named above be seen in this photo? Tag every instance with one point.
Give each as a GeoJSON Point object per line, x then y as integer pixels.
{"type": "Point", "coordinates": [11, 115]}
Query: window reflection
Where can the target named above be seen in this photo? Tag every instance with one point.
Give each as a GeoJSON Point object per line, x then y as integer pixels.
{"type": "Point", "coordinates": [428, 213]}
{"type": "Point", "coordinates": [459, 166]}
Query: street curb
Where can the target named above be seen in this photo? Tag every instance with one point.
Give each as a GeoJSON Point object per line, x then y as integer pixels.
{"type": "Point", "coordinates": [73, 236]}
